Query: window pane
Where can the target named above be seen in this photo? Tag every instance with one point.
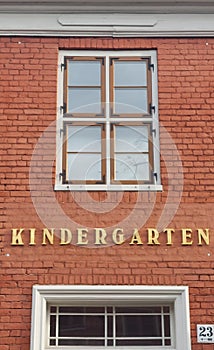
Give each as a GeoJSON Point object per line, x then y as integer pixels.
{"type": "Point", "coordinates": [132, 167]}
{"type": "Point", "coordinates": [79, 309]}
{"type": "Point", "coordinates": [166, 309]}
{"type": "Point", "coordinates": [52, 342]}
{"type": "Point", "coordinates": [52, 326]}
{"type": "Point", "coordinates": [142, 310]}
{"type": "Point", "coordinates": [84, 139]}
{"type": "Point", "coordinates": [84, 73]}
{"type": "Point", "coordinates": [110, 326]}
{"type": "Point", "coordinates": [131, 139]}
{"type": "Point", "coordinates": [53, 309]}
{"type": "Point", "coordinates": [130, 73]}
{"type": "Point", "coordinates": [138, 326]}
{"type": "Point", "coordinates": [134, 342]}
{"type": "Point", "coordinates": [167, 325]}
{"type": "Point", "coordinates": [84, 167]}
{"type": "Point", "coordinates": [84, 100]}
{"type": "Point", "coordinates": [81, 326]}
{"type": "Point", "coordinates": [130, 100]}
{"type": "Point", "coordinates": [83, 342]}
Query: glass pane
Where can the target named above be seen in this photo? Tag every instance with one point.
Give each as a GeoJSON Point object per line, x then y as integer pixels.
{"type": "Point", "coordinates": [130, 100]}
{"type": "Point", "coordinates": [84, 73]}
{"type": "Point", "coordinates": [132, 167]}
{"type": "Point", "coordinates": [52, 342]}
{"type": "Point", "coordinates": [110, 326]}
{"type": "Point", "coordinates": [83, 342]}
{"type": "Point", "coordinates": [53, 309]}
{"type": "Point", "coordinates": [134, 342]}
{"type": "Point", "coordinates": [131, 139]}
{"type": "Point", "coordinates": [80, 310]}
{"type": "Point", "coordinates": [130, 73]}
{"type": "Point", "coordinates": [167, 341]}
{"type": "Point", "coordinates": [84, 100]}
{"type": "Point", "coordinates": [166, 309]}
{"type": "Point", "coordinates": [81, 326]}
{"type": "Point", "coordinates": [167, 325]}
{"type": "Point", "coordinates": [142, 310]}
{"type": "Point", "coordinates": [84, 167]}
{"type": "Point", "coordinates": [138, 326]}
{"type": "Point", "coordinates": [52, 326]}
{"type": "Point", "coordinates": [110, 342]}
{"type": "Point", "coordinates": [109, 309]}
{"type": "Point", "coordinates": [84, 139]}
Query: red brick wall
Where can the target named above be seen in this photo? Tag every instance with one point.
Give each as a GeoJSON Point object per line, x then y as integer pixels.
{"type": "Point", "coordinates": [186, 110]}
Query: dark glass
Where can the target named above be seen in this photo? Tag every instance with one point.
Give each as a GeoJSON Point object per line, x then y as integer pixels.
{"type": "Point", "coordinates": [52, 342]}
{"type": "Point", "coordinates": [167, 341]}
{"type": "Point", "coordinates": [110, 342]}
{"type": "Point", "coordinates": [80, 309]}
{"type": "Point", "coordinates": [138, 326]}
{"type": "Point", "coordinates": [81, 326]}
{"type": "Point", "coordinates": [143, 342]}
{"type": "Point", "coordinates": [166, 309]}
{"type": "Point", "coordinates": [109, 309]}
{"type": "Point", "coordinates": [83, 342]}
{"type": "Point", "coordinates": [167, 325]}
{"type": "Point", "coordinates": [139, 310]}
{"type": "Point", "coordinates": [52, 326]}
{"type": "Point", "coordinates": [110, 326]}
{"type": "Point", "coordinates": [53, 309]}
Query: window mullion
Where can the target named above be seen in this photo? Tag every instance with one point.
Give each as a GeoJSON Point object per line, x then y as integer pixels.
{"type": "Point", "coordinates": [114, 327]}
{"type": "Point", "coordinates": [108, 135]}
{"type": "Point", "coordinates": [162, 326]}
{"type": "Point", "coordinates": [106, 327]}
{"type": "Point", "coordinates": [57, 326]}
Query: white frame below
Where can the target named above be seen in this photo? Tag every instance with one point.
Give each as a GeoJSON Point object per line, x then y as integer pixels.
{"type": "Point", "coordinates": [65, 294]}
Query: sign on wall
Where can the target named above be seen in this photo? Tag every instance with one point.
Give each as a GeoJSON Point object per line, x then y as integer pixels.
{"type": "Point", "coordinates": [205, 333]}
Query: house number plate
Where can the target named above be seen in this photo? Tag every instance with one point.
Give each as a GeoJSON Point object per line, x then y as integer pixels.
{"type": "Point", "coordinates": [205, 333]}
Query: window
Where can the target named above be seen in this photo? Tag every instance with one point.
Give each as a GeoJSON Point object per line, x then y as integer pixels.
{"type": "Point", "coordinates": [108, 137]}
{"type": "Point", "coordinates": [110, 325]}
{"type": "Point", "coordinates": [110, 317]}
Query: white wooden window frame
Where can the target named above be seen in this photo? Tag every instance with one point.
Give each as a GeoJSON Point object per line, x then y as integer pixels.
{"type": "Point", "coordinates": [97, 295]}
{"type": "Point", "coordinates": [156, 186]}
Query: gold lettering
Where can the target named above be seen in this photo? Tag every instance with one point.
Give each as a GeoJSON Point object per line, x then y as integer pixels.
{"type": "Point", "coordinates": [100, 235]}
{"type": "Point", "coordinates": [48, 235]}
{"type": "Point", "coordinates": [136, 238]}
{"type": "Point", "coordinates": [118, 236]}
{"type": "Point", "coordinates": [66, 236]}
{"type": "Point", "coordinates": [186, 235]}
{"type": "Point", "coordinates": [32, 236]}
{"type": "Point", "coordinates": [17, 236]}
{"type": "Point", "coordinates": [82, 234]}
{"type": "Point", "coordinates": [203, 235]}
{"type": "Point", "coordinates": [153, 236]}
{"type": "Point", "coordinates": [169, 232]}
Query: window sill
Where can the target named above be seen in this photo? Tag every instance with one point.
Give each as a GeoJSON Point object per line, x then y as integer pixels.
{"type": "Point", "coordinates": [116, 188]}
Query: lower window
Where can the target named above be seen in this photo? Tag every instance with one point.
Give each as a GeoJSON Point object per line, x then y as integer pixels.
{"type": "Point", "coordinates": [109, 326]}
{"type": "Point", "coordinates": [107, 317]}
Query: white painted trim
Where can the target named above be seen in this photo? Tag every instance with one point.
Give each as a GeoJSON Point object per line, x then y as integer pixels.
{"type": "Point", "coordinates": [95, 295]}
{"type": "Point", "coordinates": [108, 25]}
{"type": "Point", "coordinates": [125, 6]}
{"type": "Point", "coordinates": [112, 188]}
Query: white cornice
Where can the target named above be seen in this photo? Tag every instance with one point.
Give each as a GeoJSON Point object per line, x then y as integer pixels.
{"type": "Point", "coordinates": [103, 6]}
{"type": "Point", "coordinates": [109, 25]}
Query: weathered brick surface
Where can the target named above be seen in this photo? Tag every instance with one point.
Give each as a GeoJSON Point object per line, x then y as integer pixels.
{"type": "Point", "coordinates": [28, 91]}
